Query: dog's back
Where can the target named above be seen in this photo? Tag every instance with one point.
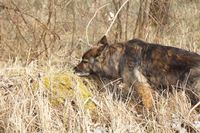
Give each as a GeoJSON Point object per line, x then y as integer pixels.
{"type": "Point", "coordinates": [164, 66]}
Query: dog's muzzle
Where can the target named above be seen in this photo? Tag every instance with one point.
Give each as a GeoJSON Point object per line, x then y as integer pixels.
{"type": "Point", "coordinates": [80, 73]}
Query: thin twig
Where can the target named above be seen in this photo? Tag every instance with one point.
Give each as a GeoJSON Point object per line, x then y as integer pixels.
{"type": "Point", "coordinates": [194, 107]}
{"type": "Point", "coordinates": [115, 17]}
{"type": "Point", "coordinates": [87, 39]}
{"type": "Point", "coordinates": [36, 19]}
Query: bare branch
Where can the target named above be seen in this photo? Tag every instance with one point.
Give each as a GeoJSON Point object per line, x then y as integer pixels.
{"type": "Point", "coordinates": [116, 16]}
{"type": "Point", "coordinates": [87, 38]}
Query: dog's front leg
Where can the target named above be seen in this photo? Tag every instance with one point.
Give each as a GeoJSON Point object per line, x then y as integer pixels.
{"type": "Point", "coordinates": [132, 76]}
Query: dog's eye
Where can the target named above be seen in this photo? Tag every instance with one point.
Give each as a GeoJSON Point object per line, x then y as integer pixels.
{"type": "Point", "coordinates": [92, 60]}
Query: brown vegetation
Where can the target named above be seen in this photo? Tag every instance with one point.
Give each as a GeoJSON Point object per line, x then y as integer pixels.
{"type": "Point", "coordinates": [44, 37]}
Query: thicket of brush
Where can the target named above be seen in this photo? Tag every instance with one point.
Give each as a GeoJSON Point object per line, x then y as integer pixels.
{"type": "Point", "coordinates": [40, 42]}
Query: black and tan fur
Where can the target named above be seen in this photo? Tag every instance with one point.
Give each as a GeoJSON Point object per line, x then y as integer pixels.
{"type": "Point", "coordinates": [144, 66]}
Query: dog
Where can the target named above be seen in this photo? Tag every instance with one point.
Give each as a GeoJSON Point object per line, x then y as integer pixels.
{"type": "Point", "coordinates": [144, 67]}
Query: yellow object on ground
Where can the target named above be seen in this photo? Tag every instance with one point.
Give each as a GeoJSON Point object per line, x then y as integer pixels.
{"type": "Point", "coordinates": [67, 86]}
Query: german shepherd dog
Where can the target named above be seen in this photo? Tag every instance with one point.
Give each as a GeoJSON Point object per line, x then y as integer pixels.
{"type": "Point", "coordinates": [144, 66]}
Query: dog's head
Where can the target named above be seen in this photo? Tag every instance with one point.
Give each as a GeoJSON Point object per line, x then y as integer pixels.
{"type": "Point", "coordinates": [90, 63]}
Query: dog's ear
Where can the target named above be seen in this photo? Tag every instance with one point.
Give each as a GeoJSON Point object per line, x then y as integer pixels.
{"type": "Point", "coordinates": [103, 41]}
{"type": "Point", "coordinates": [102, 44]}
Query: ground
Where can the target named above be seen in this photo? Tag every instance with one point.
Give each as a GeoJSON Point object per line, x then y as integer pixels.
{"type": "Point", "coordinates": [40, 43]}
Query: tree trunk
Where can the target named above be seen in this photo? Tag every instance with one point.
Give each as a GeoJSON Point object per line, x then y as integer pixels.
{"type": "Point", "coordinates": [118, 34]}
{"type": "Point", "coordinates": [142, 20]}
{"type": "Point", "coordinates": [152, 13]}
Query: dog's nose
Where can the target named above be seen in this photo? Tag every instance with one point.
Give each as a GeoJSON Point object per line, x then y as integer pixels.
{"type": "Point", "coordinates": [74, 69]}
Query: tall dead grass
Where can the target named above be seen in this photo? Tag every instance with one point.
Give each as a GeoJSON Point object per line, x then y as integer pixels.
{"type": "Point", "coordinates": [42, 37]}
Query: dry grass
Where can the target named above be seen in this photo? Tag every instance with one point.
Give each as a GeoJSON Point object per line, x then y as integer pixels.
{"type": "Point", "coordinates": [46, 37]}
{"type": "Point", "coordinates": [26, 109]}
